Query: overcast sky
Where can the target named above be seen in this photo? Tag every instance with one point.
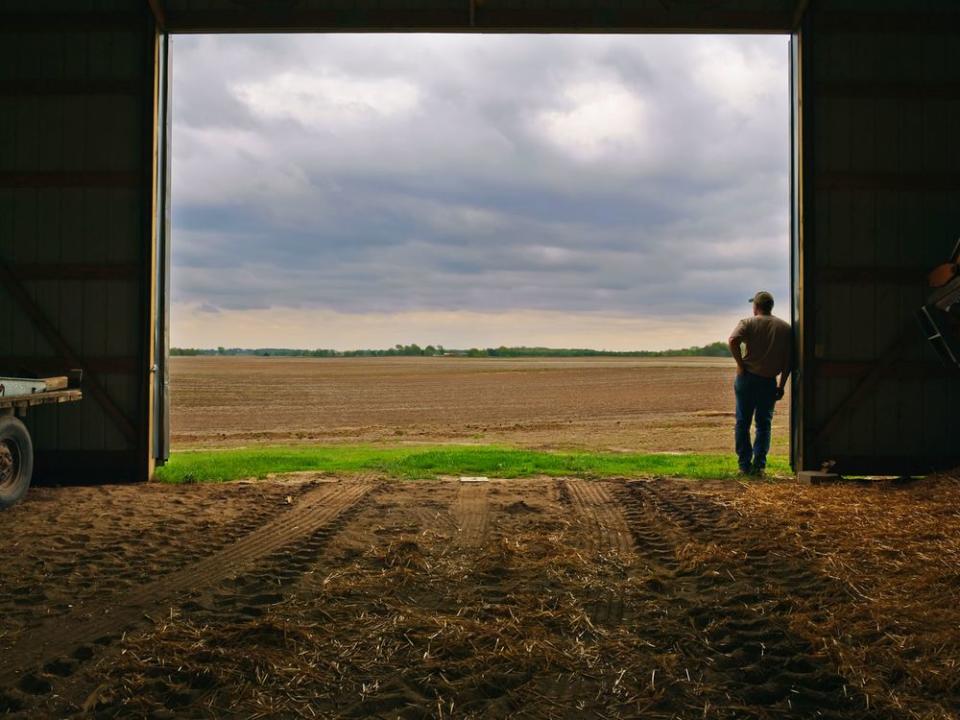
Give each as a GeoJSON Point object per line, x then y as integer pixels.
{"type": "Point", "coordinates": [622, 192]}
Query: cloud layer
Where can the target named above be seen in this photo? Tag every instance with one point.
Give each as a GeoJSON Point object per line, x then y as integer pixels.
{"type": "Point", "coordinates": [593, 178]}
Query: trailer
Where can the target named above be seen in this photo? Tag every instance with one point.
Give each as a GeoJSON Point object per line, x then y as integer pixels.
{"type": "Point", "coordinates": [17, 395]}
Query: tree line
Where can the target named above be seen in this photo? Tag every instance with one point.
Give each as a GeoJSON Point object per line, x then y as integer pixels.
{"type": "Point", "coordinates": [717, 349]}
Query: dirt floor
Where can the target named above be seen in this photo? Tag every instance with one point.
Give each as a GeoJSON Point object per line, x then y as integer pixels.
{"type": "Point", "coordinates": [619, 404]}
{"type": "Point", "coordinates": [542, 598]}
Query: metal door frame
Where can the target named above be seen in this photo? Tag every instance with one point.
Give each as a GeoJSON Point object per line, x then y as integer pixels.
{"type": "Point", "coordinates": [799, 160]}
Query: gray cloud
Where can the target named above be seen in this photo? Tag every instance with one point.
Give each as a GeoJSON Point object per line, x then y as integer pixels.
{"type": "Point", "coordinates": [377, 174]}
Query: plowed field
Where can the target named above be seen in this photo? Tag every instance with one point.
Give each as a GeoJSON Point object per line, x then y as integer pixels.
{"type": "Point", "coordinates": [644, 405]}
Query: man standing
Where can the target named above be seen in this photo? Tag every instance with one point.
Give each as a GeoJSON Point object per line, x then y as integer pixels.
{"type": "Point", "coordinates": [769, 353]}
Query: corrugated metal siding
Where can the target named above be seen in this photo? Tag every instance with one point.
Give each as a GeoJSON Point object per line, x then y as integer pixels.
{"type": "Point", "coordinates": [882, 190]}
{"type": "Point", "coordinates": [74, 214]}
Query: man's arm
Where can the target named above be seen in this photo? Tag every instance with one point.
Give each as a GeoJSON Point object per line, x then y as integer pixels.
{"type": "Point", "coordinates": [734, 344]}
{"type": "Point", "coordinates": [787, 369]}
{"type": "Point", "coordinates": [783, 382]}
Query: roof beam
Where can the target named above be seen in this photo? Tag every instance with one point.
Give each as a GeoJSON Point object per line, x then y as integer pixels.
{"type": "Point", "coordinates": [159, 13]}
{"type": "Point", "coordinates": [69, 179]}
{"type": "Point", "coordinates": [902, 181]}
{"type": "Point", "coordinates": [919, 89]}
{"type": "Point", "coordinates": [900, 370]}
{"type": "Point", "coordinates": [799, 11]}
{"type": "Point", "coordinates": [70, 87]}
{"type": "Point", "coordinates": [905, 275]}
{"type": "Point", "coordinates": [76, 271]}
{"type": "Point", "coordinates": [487, 16]}
{"type": "Point", "coordinates": [933, 22]}
{"type": "Point", "coordinates": [101, 365]}
{"type": "Point", "coordinates": [21, 22]}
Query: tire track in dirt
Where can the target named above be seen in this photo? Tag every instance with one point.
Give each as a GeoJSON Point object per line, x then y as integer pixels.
{"type": "Point", "coordinates": [91, 545]}
{"type": "Point", "coordinates": [405, 547]}
{"type": "Point", "coordinates": [265, 581]}
{"type": "Point", "coordinates": [67, 641]}
{"type": "Point", "coordinates": [472, 513]}
{"type": "Point", "coordinates": [737, 603]}
{"type": "Point", "coordinates": [607, 535]}
{"type": "Point", "coordinates": [707, 520]}
{"type": "Point", "coordinates": [496, 544]}
{"type": "Point", "coordinates": [240, 600]}
{"type": "Point", "coordinates": [593, 501]}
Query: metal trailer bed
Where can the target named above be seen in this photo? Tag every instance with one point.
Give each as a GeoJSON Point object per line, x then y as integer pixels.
{"type": "Point", "coordinates": [17, 395]}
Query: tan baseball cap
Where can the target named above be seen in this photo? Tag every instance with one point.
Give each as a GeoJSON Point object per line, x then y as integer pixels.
{"type": "Point", "coordinates": [762, 298]}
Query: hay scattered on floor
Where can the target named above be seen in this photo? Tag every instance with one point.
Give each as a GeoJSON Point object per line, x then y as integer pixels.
{"type": "Point", "coordinates": [894, 551]}
{"type": "Point", "coordinates": [405, 632]}
{"type": "Point", "coordinates": [739, 604]}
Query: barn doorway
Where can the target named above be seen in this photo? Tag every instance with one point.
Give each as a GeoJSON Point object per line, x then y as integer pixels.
{"type": "Point", "coordinates": [355, 185]}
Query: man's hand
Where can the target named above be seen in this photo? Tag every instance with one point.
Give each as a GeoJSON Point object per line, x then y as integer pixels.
{"type": "Point", "coordinates": [734, 344]}
{"type": "Point", "coordinates": [779, 394]}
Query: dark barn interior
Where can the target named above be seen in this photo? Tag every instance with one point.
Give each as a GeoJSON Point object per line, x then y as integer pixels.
{"type": "Point", "coordinates": [876, 203]}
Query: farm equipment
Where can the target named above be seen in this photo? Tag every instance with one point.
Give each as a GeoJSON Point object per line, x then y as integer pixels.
{"type": "Point", "coordinates": [940, 317]}
{"type": "Point", "coordinates": [16, 447]}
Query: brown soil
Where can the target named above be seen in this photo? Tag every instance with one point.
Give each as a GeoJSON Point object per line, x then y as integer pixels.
{"type": "Point", "coordinates": [654, 405]}
{"type": "Point", "coordinates": [538, 598]}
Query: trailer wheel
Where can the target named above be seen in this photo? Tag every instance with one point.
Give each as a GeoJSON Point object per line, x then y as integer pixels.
{"type": "Point", "coordinates": [16, 460]}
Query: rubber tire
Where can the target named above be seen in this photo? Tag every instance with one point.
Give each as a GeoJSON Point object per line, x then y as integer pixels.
{"type": "Point", "coordinates": [15, 432]}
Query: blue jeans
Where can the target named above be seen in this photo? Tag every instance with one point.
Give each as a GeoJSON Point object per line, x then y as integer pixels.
{"type": "Point", "coordinates": [756, 397]}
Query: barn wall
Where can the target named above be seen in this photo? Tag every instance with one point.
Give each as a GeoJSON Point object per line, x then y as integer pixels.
{"type": "Point", "coordinates": [881, 109]}
{"type": "Point", "coordinates": [75, 213]}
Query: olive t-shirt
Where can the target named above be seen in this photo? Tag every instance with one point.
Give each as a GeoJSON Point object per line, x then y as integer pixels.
{"type": "Point", "coordinates": [769, 342]}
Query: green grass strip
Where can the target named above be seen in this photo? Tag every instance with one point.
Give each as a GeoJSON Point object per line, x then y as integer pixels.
{"type": "Point", "coordinates": [431, 462]}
